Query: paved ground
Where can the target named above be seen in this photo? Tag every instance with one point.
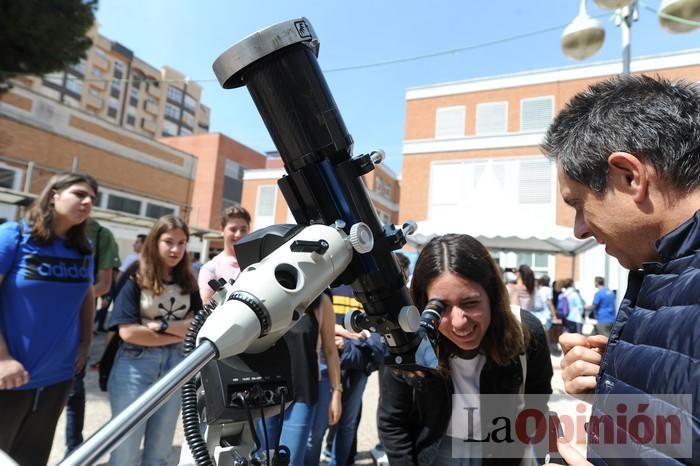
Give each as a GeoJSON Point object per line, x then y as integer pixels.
{"type": "Point", "coordinates": [98, 413]}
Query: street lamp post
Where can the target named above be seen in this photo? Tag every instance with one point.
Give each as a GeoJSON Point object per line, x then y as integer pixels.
{"type": "Point", "coordinates": [626, 15]}
{"type": "Point", "coordinates": [585, 35]}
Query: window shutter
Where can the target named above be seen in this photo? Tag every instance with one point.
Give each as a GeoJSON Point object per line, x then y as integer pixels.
{"type": "Point", "coordinates": [534, 185]}
{"type": "Point", "coordinates": [491, 118]}
{"type": "Point", "coordinates": [265, 208]}
{"type": "Point", "coordinates": [449, 122]}
{"type": "Point", "coordinates": [536, 114]}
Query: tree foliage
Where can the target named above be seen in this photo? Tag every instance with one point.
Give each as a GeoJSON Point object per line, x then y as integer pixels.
{"type": "Point", "coordinates": [43, 36]}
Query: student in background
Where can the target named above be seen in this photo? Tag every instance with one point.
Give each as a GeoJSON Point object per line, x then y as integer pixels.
{"type": "Point", "coordinates": [132, 256]}
{"type": "Point", "coordinates": [603, 307]}
{"type": "Point", "coordinates": [235, 224]}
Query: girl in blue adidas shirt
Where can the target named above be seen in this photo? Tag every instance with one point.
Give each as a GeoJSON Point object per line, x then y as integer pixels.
{"type": "Point", "coordinates": [46, 309]}
{"type": "Point", "coordinates": [152, 314]}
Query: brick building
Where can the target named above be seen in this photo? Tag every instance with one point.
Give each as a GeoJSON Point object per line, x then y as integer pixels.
{"type": "Point", "coordinates": [140, 179]}
{"type": "Point", "coordinates": [221, 164]}
{"type": "Point", "coordinates": [473, 164]}
{"type": "Point", "coordinates": [114, 84]}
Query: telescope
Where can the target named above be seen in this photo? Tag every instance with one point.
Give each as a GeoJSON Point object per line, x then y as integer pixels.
{"type": "Point", "coordinates": [236, 342]}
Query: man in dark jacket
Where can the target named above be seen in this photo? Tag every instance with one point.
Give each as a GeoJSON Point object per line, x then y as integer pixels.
{"type": "Point", "coordinates": [628, 159]}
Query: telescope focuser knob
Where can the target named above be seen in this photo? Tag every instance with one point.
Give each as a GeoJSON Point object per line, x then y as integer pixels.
{"type": "Point", "coordinates": [377, 156]}
{"type": "Point", "coordinates": [409, 227]}
{"type": "Point", "coordinates": [361, 238]}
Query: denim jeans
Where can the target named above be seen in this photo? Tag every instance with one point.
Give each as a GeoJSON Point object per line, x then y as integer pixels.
{"type": "Point", "coordinates": [75, 413]}
{"type": "Point", "coordinates": [354, 387]}
{"type": "Point", "coordinates": [137, 368]}
{"type": "Point", "coordinates": [295, 431]}
{"type": "Point", "coordinates": [318, 422]}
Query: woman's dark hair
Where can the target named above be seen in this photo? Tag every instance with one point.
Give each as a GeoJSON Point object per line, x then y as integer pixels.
{"type": "Point", "coordinates": [151, 274]}
{"type": "Point", "coordinates": [466, 257]}
{"type": "Point", "coordinates": [528, 278]}
{"type": "Point", "coordinates": [41, 214]}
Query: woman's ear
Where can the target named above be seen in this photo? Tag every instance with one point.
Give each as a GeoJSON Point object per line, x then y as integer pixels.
{"type": "Point", "coordinates": [628, 174]}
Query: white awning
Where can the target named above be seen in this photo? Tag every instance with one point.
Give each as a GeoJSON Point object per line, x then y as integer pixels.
{"type": "Point", "coordinates": [519, 238]}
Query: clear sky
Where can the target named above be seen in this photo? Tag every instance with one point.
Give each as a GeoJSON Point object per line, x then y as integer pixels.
{"type": "Point", "coordinates": [498, 37]}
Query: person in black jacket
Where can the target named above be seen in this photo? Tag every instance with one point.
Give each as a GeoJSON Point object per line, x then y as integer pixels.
{"type": "Point", "coordinates": [628, 157]}
{"type": "Point", "coordinates": [487, 351]}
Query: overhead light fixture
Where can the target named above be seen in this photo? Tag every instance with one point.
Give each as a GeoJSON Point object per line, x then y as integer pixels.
{"type": "Point", "coordinates": [688, 10]}
{"type": "Point", "coordinates": [612, 4]}
{"type": "Point", "coordinates": [584, 36]}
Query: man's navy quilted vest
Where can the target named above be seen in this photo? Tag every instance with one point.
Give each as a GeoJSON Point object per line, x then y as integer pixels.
{"type": "Point", "coordinates": [654, 346]}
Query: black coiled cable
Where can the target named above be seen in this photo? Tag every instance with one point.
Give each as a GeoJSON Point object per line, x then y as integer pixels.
{"type": "Point", "coordinates": [190, 416]}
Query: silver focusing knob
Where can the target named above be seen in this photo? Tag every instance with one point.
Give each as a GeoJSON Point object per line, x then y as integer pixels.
{"type": "Point", "coordinates": [377, 156]}
{"type": "Point", "coordinates": [409, 319]}
{"type": "Point", "coordinates": [409, 227]}
{"type": "Point", "coordinates": [361, 238]}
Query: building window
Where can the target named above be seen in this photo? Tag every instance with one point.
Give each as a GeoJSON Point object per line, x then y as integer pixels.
{"type": "Point", "coordinates": [116, 88]}
{"type": "Point", "coordinates": [172, 111]}
{"type": "Point", "coordinates": [74, 85]}
{"type": "Point", "coordinates": [136, 83]}
{"type": "Point", "coordinates": [130, 120]}
{"type": "Point", "coordinates": [79, 67]}
{"type": "Point", "coordinates": [387, 191]}
{"type": "Point", "coordinates": [265, 207]}
{"type": "Point", "coordinates": [233, 185]}
{"type": "Point", "coordinates": [538, 262]}
{"type": "Point", "coordinates": [169, 128]}
{"type": "Point", "coordinates": [118, 69]}
{"type": "Point", "coordinates": [133, 101]}
{"type": "Point", "coordinates": [7, 178]}
{"type": "Point", "coordinates": [534, 182]}
{"type": "Point", "coordinates": [187, 119]}
{"type": "Point", "coordinates": [184, 131]}
{"type": "Point", "coordinates": [522, 184]}
{"type": "Point", "coordinates": [378, 185]}
{"type": "Point", "coordinates": [536, 114]}
{"type": "Point", "coordinates": [449, 122]}
{"type": "Point", "coordinates": [124, 204]}
{"type": "Point", "coordinates": [491, 118]}
{"type": "Point", "coordinates": [190, 103]}
{"type": "Point", "coordinates": [97, 73]}
{"type": "Point", "coordinates": [134, 92]}
{"type": "Point", "coordinates": [112, 108]}
{"type": "Point", "coordinates": [174, 94]}
{"type": "Point", "coordinates": [157, 211]}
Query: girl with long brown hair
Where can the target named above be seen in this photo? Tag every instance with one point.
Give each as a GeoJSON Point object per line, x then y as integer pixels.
{"type": "Point", "coordinates": [152, 314]}
{"type": "Point", "coordinates": [46, 309]}
{"type": "Point", "coordinates": [483, 347]}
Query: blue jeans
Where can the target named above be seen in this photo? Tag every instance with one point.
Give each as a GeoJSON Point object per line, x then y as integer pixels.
{"type": "Point", "coordinates": [137, 368]}
{"type": "Point", "coordinates": [295, 431]}
{"type": "Point", "coordinates": [75, 413]}
{"type": "Point", "coordinates": [319, 422]}
{"type": "Point", "coordinates": [354, 387]}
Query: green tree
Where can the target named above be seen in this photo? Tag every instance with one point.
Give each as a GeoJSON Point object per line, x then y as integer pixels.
{"type": "Point", "coordinates": [42, 36]}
